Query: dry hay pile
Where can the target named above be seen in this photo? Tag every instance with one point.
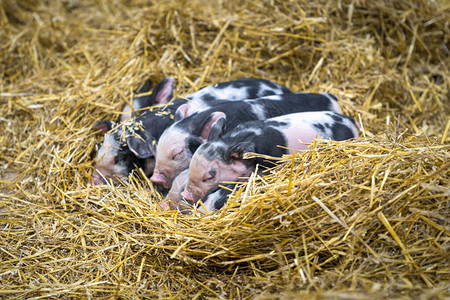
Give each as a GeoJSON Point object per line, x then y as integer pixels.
{"type": "Point", "coordinates": [356, 219]}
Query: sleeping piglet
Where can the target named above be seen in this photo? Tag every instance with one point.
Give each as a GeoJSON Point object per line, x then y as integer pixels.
{"type": "Point", "coordinates": [179, 142]}
{"type": "Point", "coordinates": [222, 158]}
{"type": "Point", "coordinates": [118, 154]}
{"type": "Point", "coordinates": [132, 144]}
{"type": "Point", "coordinates": [212, 202]}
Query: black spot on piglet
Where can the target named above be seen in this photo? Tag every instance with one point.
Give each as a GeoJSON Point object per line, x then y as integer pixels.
{"type": "Point", "coordinates": [192, 144]}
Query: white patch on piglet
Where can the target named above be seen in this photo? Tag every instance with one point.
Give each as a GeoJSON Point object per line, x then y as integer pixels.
{"type": "Point", "coordinates": [273, 97]}
{"type": "Point", "coordinates": [228, 93]}
{"type": "Point", "coordinates": [255, 131]}
{"type": "Point", "coordinates": [259, 111]}
{"type": "Point", "coordinates": [265, 89]}
{"type": "Point", "coordinates": [303, 127]}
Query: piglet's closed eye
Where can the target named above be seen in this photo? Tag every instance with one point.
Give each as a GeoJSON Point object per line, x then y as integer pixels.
{"type": "Point", "coordinates": [209, 175]}
{"type": "Point", "coordinates": [176, 151]}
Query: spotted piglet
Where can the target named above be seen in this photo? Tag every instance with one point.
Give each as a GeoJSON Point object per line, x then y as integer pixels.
{"type": "Point", "coordinates": [123, 148]}
{"type": "Point", "coordinates": [179, 142]}
{"type": "Point", "coordinates": [222, 158]}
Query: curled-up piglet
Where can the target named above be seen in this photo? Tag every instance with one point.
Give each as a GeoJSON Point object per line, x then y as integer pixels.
{"type": "Point", "coordinates": [222, 158]}
{"type": "Point", "coordinates": [179, 142]}
{"type": "Point", "coordinates": [128, 145]}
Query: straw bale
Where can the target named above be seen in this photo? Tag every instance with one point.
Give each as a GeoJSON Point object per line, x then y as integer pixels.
{"type": "Point", "coordinates": [356, 219]}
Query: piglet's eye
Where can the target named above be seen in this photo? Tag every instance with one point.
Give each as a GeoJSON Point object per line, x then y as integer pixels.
{"type": "Point", "coordinates": [176, 153]}
{"type": "Point", "coordinates": [210, 176]}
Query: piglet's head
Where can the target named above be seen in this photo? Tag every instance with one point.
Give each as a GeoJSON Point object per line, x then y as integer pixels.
{"type": "Point", "coordinates": [128, 145]}
{"type": "Point", "coordinates": [171, 159]}
{"type": "Point", "coordinates": [212, 163]}
{"type": "Point", "coordinates": [176, 147]}
{"type": "Point", "coordinates": [202, 178]}
{"type": "Point", "coordinates": [122, 151]}
{"type": "Point", "coordinates": [106, 167]}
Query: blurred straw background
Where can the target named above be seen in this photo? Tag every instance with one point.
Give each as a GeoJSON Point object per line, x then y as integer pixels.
{"type": "Point", "coordinates": [364, 219]}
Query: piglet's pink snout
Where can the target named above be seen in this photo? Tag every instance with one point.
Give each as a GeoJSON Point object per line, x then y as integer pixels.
{"type": "Point", "coordinates": [188, 196]}
{"type": "Point", "coordinates": [160, 179]}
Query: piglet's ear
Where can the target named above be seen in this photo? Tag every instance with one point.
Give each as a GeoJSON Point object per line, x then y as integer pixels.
{"type": "Point", "coordinates": [211, 122]}
{"type": "Point", "coordinates": [140, 146]}
{"type": "Point", "coordinates": [139, 101]}
{"type": "Point", "coordinates": [163, 91]}
{"type": "Point", "coordinates": [236, 152]}
{"type": "Point", "coordinates": [181, 112]}
{"type": "Point", "coordinates": [192, 144]}
{"type": "Point", "coordinates": [217, 129]}
{"type": "Point", "coordinates": [103, 126]}
{"type": "Point", "coordinates": [146, 87]}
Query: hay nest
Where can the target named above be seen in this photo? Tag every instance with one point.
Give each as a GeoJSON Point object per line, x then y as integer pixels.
{"type": "Point", "coordinates": [353, 220]}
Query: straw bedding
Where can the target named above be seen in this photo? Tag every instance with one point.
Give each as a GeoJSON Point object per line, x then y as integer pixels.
{"type": "Point", "coordinates": [357, 219]}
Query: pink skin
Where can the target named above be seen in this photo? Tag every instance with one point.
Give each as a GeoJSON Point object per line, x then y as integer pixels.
{"type": "Point", "coordinates": [107, 169]}
{"type": "Point", "coordinates": [202, 178]}
{"type": "Point", "coordinates": [173, 201]}
{"type": "Point", "coordinates": [98, 179]}
{"type": "Point", "coordinates": [165, 205]}
{"type": "Point", "coordinates": [172, 157]}
{"type": "Point", "coordinates": [308, 133]}
{"type": "Point", "coordinates": [292, 135]}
